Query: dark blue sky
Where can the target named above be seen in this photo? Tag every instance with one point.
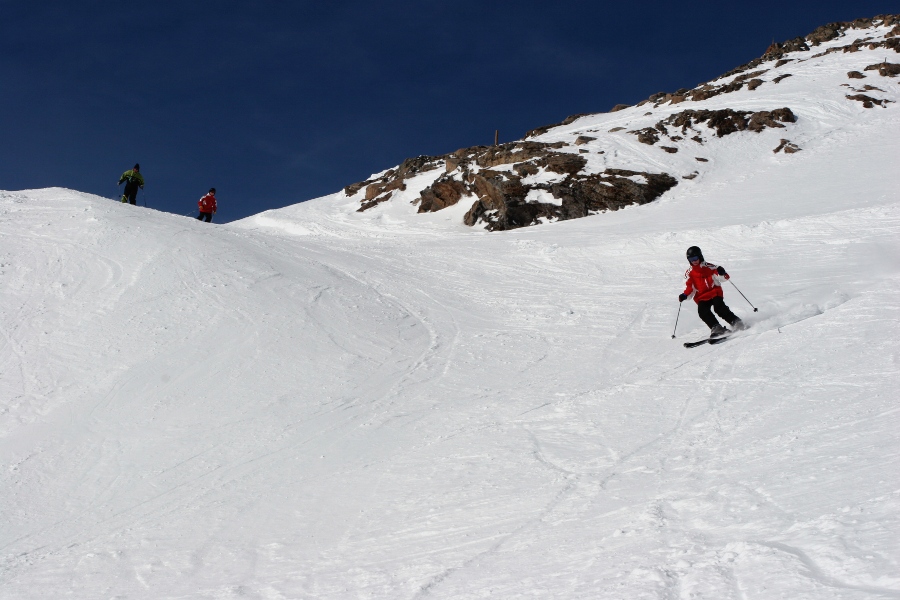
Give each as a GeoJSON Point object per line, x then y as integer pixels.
{"type": "Point", "coordinates": [278, 102]}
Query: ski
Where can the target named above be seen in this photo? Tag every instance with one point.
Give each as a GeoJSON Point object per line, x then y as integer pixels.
{"type": "Point", "coordinates": [695, 344]}
{"type": "Point", "coordinates": [710, 341]}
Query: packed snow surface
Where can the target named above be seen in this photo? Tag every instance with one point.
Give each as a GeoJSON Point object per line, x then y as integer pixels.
{"type": "Point", "coordinates": [318, 403]}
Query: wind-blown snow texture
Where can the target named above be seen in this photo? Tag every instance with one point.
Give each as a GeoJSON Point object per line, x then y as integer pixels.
{"type": "Point", "coordinates": [319, 403]}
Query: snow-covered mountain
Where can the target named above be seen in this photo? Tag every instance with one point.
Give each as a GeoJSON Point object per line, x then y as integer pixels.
{"type": "Point", "coordinates": [317, 402]}
{"type": "Point", "coordinates": [632, 155]}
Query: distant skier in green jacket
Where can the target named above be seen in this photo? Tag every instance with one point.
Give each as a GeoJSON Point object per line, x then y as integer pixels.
{"type": "Point", "coordinates": [134, 180]}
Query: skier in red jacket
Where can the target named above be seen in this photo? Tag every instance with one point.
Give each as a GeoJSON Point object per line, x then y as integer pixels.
{"type": "Point", "coordinates": [207, 205]}
{"type": "Point", "coordinates": [704, 280]}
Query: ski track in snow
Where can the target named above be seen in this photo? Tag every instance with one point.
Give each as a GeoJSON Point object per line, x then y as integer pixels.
{"type": "Point", "coordinates": [316, 403]}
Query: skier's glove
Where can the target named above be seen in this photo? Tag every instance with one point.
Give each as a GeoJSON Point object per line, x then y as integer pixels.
{"type": "Point", "coordinates": [682, 297]}
{"type": "Point", "coordinates": [721, 271]}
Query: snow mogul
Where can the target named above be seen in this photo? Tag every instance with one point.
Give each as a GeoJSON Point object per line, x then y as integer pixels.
{"type": "Point", "coordinates": [704, 281]}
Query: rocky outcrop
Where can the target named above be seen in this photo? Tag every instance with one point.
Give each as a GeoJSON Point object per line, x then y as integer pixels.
{"type": "Point", "coordinates": [647, 135]}
{"type": "Point", "coordinates": [868, 101]}
{"type": "Point", "coordinates": [441, 194]}
{"type": "Point", "coordinates": [515, 185]}
{"type": "Point", "coordinates": [885, 69]}
{"type": "Point", "coordinates": [382, 188]}
{"type": "Point", "coordinates": [502, 203]}
{"type": "Point", "coordinates": [724, 122]}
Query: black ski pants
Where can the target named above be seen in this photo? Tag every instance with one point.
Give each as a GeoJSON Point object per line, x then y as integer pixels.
{"type": "Point", "coordinates": [205, 216]}
{"type": "Point", "coordinates": [130, 194]}
{"type": "Point", "coordinates": [705, 310]}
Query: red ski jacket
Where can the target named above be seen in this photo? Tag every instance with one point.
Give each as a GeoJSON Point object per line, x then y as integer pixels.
{"type": "Point", "coordinates": [207, 204]}
{"type": "Point", "coordinates": [705, 280]}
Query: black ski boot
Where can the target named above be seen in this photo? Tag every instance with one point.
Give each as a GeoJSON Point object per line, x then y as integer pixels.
{"type": "Point", "coordinates": [717, 331]}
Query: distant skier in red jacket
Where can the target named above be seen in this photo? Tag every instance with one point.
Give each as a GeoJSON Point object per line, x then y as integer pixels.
{"type": "Point", "coordinates": [207, 205]}
{"type": "Point", "coordinates": [704, 280]}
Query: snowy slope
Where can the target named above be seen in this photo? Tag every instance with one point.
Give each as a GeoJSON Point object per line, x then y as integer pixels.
{"type": "Point", "coordinates": [319, 403]}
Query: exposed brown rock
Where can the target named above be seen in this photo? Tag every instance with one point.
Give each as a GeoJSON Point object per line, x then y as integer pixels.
{"type": "Point", "coordinates": [563, 163]}
{"type": "Point", "coordinates": [885, 69]}
{"type": "Point", "coordinates": [648, 135]}
{"type": "Point", "coordinates": [780, 77]}
{"type": "Point", "coordinates": [366, 205]}
{"type": "Point", "coordinates": [501, 194]}
{"type": "Point", "coordinates": [868, 101]}
{"type": "Point", "coordinates": [526, 169]}
{"type": "Point", "coordinates": [788, 147]}
{"type": "Point", "coordinates": [727, 121]}
{"type": "Point", "coordinates": [353, 188]}
{"type": "Point", "coordinates": [441, 194]}
{"type": "Point", "coordinates": [825, 33]}
{"type": "Point", "coordinates": [747, 76]}
{"type": "Point", "coordinates": [615, 129]}
{"type": "Point", "coordinates": [699, 159]}
{"type": "Point", "coordinates": [754, 83]}
{"type": "Point", "coordinates": [703, 94]}
{"type": "Point", "coordinates": [779, 49]}
{"type": "Point", "coordinates": [583, 139]}
{"type": "Point", "coordinates": [855, 75]}
{"type": "Point", "coordinates": [452, 162]}
{"type": "Point", "coordinates": [380, 189]}
{"type": "Point", "coordinates": [505, 154]}
{"type": "Point", "coordinates": [580, 197]}
{"type": "Point", "coordinates": [669, 149]}
{"type": "Point", "coordinates": [619, 107]}
{"type": "Point", "coordinates": [760, 120]}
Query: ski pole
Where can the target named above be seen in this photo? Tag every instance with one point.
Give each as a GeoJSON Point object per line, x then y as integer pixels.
{"type": "Point", "coordinates": [676, 320]}
{"type": "Point", "coordinates": [745, 297]}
